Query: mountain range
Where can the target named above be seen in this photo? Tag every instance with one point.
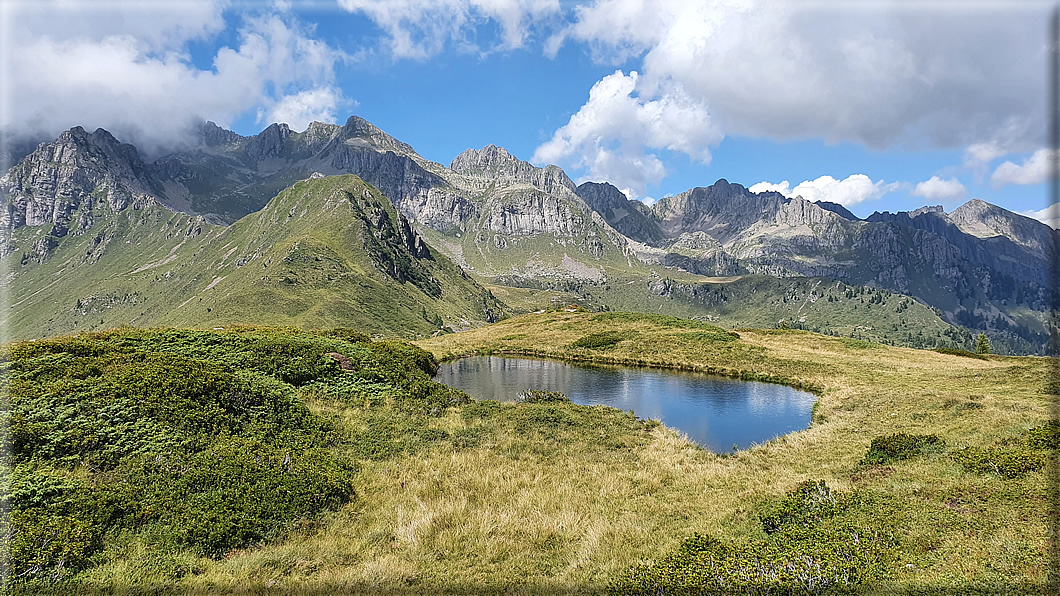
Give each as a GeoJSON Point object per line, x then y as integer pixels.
{"type": "Point", "coordinates": [346, 225]}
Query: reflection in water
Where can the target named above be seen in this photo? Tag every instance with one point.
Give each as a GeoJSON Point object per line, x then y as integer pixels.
{"type": "Point", "coordinates": [716, 412]}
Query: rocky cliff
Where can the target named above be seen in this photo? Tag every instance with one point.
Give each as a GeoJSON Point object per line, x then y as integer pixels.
{"type": "Point", "coordinates": [631, 218]}
{"type": "Point", "coordinates": [58, 185]}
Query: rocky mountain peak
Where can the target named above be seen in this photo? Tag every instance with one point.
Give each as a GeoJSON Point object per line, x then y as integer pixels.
{"type": "Point", "coordinates": [497, 163]}
{"type": "Point", "coordinates": [78, 169]}
{"type": "Point", "coordinates": [927, 209]}
{"type": "Point", "coordinates": [629, 217]}
{"type": "Point", "coordinates": [490, 158]}
{"type": "Point", "coordinates": [214, 136]}
{"type": "Point", "coordinates": [983, 220]}
{"type": "Point", "coordinates": [359, 128]}
{"type": "Point", "coordinates": [267, 143]}
{"type": "Point", "coordinates": [838, 209]}
{"type": "Point", "coordinates": [318, 132]}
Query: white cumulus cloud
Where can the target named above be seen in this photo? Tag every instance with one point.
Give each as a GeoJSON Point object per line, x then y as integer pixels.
{"type": "Point", "coordinates": [879, 75]}
{"type": "Point", "coordinates": [299, 109]}
{"type": "Point", "coordinates": [937, 189]}
{"type": "Point", "coordinates": [423, 28]}
{"type": "Point", "coordinates": [1049, 216]}
{"type": "Point", "coordinates": [783, 187]}
{"type": "Point", "coordinates": [1033, 170]}
{"type": "Point", "coordinates": [143, 87]}
{"type": "Point", "coordinates": [851, 190]}
{"type": "Point", "coordinates": [614, 134]}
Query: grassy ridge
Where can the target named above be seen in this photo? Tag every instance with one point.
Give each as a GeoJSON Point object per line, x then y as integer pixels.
{"type": "Point", "coordinates": [327, 252]}
{"type": "Point", "coordinates": [922, 472]}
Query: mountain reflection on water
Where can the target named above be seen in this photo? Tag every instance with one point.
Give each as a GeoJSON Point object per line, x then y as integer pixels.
{"type": "Point", "coordinates": [716, 412]}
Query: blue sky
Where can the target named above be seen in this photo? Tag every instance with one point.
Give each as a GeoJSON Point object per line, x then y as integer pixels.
{"type": "Point", "coordinates": [886, 105]}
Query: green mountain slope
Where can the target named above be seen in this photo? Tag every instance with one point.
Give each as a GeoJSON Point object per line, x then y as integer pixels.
{"type": "Point", "coordinates": [761, 301]}
{"type": "Point", "coordinates": [325, 252]}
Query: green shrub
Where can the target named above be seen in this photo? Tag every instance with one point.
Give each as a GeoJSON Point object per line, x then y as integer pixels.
{"type": "Point", "coordinates": [900, 446]}
{"type": "Point", "coordinates": [537, 396]}
{"type": "Point", "coordinates": [48, 547]}
{"type": "Point", "coordinates": [805, 506]}
{"type": "Point", "coordinates": [236, 493]}
{"type": "Point", "coordinates": [479, 410]}
{"type": "Point", "coordinates": [600, 341]}
{"type": "Point", "coordinates": [958, 352]}
{"type": "Point", "coordinates": [348, 335]}
{"type": "Point", "coordinates": [196, 440]}
{"type": "Point", "coordinates": [807, 550]}
{"type": "Point", "coordinates": [1006, 462]}
{"type": "Point", "coordinates": [1046, 436]}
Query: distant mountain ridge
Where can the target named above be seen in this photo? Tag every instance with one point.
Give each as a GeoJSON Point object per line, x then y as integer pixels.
{"type": "Point", "coordinates": [505, 219]}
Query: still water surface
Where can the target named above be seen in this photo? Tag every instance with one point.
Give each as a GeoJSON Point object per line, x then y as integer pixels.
{"type": "Point", "coordinates": [716, 412]}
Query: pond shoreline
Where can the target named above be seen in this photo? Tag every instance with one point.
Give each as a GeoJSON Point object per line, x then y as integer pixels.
{"type": "Point", "coordinates": [743, 375]}
{"type": "Point", "coordinates": [714, 411]}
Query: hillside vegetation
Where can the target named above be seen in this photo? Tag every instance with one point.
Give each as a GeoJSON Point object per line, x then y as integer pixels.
{"type": "Point", "coordinates": [325, 252]}
{"type": "Point", "coordinates": [263, 460]}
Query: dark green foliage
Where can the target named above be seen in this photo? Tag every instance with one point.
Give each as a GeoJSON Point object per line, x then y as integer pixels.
{"type": "Point", "coordinates": [545, 418]}
{"type": "Point", "coordinates": [957, 352]}
{"type": "Point", "coordinates": [193, 439]}
{"type": "Point", "coordinates": [600, 341]}
{"type": "Point", "coordinates": [1046, 436]}
{"type": "Point", "coordinates": [478, 410]}
{"type": "Point", "coordinates": [655, 319]}
{"type": "Point", "coordinates": [392, 245]}
{"type": "Point", "coordinates": [1007, 462]}
{"type": "Point", "coordinates": [805, 506]}
{"type": "Point", "coordinates": [347, 335]}
{"type": "Point", "coordinates": [896, 447]}
{"type": "Point", "coordinates": [235, 493]}
{"type": "Point", "coordinates": [810, 548]}
{"type": "Point", "coordinates": [537, 396]}
{"type": "Point", "coordinates": [982, 344]}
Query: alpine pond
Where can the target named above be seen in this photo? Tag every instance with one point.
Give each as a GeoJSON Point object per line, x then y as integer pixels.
{"type": "Point", "coordinates": [716, 412]}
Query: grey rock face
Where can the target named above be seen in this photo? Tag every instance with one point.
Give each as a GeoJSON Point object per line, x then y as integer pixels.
{"type": "Point", "coordinates": [212, 135]}
{"type": "Point", "coordinates": [531, 213]}
{"type": "Point", "coordinates": [622, 214]}
{"type": "Point", "coordinates": [76, 170]}
{"type": "Point", "coordinates": [497, 164]}
{"type": "Point", "coordinates": [838, 209]}
{"type": "Point", "coordinates": [983, 220]}
{"type": "Point", "coordinates": [270, 143]}
{"type": "Point", "coordinates": [442, 209]}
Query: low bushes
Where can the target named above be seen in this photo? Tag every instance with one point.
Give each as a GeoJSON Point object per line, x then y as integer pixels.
{"type": "Point", "coordinates": [1046, 436]}
{"type": "Point", "coordinates": [1007, 462]}
{"type": "Point", "coordinates": [804, 506]}
{"type": "Point", "coordinates": [959, 352]}
{"type": "Point", "coordinates": [600, 341]}
{"type": "Point", "coordinates": [810, 548]}
{"type": "Point", "coordinates": [536, 396]}
{"type": "Point", "coordinates": [192, 440]}
{"type": "Point", "coordinates": [900, 446]}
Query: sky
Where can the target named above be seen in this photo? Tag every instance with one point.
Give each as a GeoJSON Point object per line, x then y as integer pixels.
{"type": "Point", "coordinates": [876, 105]}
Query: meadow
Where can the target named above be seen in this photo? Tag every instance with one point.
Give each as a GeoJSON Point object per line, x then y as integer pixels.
{"type": "Point", "coordinates": [921, 472]}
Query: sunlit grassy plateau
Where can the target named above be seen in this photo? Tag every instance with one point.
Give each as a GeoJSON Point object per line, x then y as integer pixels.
{"type": "Point", "coordinates": [269, 460]}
